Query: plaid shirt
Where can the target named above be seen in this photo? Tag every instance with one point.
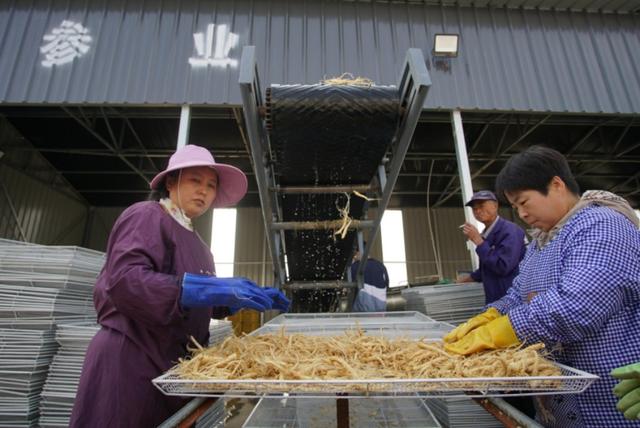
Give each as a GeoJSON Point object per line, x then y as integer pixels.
{"type": "Point", "coordinates": [582, 291]}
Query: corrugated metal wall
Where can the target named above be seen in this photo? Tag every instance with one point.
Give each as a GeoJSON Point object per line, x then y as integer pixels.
{"type": "Point", "coordinates": [510, 59]}
{"type": "Point", "coordinates": [42, 214]}
{"type": "Point", "coordinates": [101, 221]}
{"type": "Point", "coordinates": [252, 257]}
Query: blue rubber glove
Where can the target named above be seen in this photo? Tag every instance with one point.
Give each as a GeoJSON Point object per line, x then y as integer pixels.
{"type": "Point", "coordinates": [279, 300]}
{"type": "Point", "coordinates": [238, 293]}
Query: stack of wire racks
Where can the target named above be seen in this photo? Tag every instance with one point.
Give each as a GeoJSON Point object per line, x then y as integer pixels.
{"type": "Point", "coordinates": [40, 287]}
{"type": "Point", "coordinates": [452, 303]}
{"type": "Point", "coordinates": [462, 413]}
{"type": "Point", "coordinates": [214, 417]}
{"type": "Point", "coordinates": [321, 413]}
{"type": "Point", "coordinates": [59, 391]}
{"type": "Point", "coordinates": [24, 362]}
{"type": "Point", "coordinates": [219, 330]}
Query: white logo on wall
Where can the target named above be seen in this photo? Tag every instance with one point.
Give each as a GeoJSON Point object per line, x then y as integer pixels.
{"type": "Point", "coordinates": [68, 41]}
{"type": "Point", "coordinates": [214, 50]}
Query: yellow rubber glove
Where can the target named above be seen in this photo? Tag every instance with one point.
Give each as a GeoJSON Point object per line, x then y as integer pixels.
{"type": "Point", "coordinates": [460, 331]}
{"type": "Point", "coordinates": [493, 335]}
{"type": "Point", "coordinates": [628, 390]}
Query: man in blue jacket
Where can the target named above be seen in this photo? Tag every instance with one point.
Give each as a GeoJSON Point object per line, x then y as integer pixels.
{"type": "Point", "coordinates": [373, 296]}
{"type": "Point", "coordinates": [500, 247]}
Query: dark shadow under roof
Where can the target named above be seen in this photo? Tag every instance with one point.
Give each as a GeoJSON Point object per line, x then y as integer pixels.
{"type": "Point", "coordinates": [106, 156]}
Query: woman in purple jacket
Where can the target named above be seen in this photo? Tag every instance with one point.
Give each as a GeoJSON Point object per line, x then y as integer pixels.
{"type": "Point", "coordinates": [158, 288]}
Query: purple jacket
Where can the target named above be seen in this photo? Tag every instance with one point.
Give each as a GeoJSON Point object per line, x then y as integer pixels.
{"type": "Point", "coordinates": [499, 255]}
{"type": "Point", "coordinates": [144, 329]}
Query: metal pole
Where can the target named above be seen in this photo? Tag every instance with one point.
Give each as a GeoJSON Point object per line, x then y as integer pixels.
{"type": "Point", "coordinates": [465, 177]}
{"type": "Point", "coordinates": [251, 102]}
{"type": "Point", "coordinates": [185, 124]}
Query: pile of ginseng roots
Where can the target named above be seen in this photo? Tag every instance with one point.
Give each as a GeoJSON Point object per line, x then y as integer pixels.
{"type": "Point", "coordinates": [354, 355]}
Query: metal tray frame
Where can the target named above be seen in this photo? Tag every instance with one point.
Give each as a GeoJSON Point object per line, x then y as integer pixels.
{"type": "Point", "coordinates": [571, 381]}
{"type": "Point", "coordinates": [399, 324]}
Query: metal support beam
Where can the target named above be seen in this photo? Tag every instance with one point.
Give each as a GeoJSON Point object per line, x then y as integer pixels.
{"type": "Point", "coordinates": [508, 415]}
{"type": "Point", "coordinates": [465, 178]}
{"type": "Point", "coordinates": [319, 285]}
{"type": "Point", "coordinates": [13, 211]}
{"type": "Point", "coordinates": [101, 139]}
{"type": "Point", "coordinates": [252, 102]}
{"type": "Point", "coordinates": [495, 158]}
{"type": "Point", "coordinates": [413, 87]}
{"type": "Point", "coordinates": [321, 190]}
{"type": "Point", "coordinates": [185, 126]}
{"type": "Point", "coordinates": [320, 225]}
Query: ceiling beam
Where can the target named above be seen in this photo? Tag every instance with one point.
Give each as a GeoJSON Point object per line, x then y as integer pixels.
{"type": "Point", "coordinates": [99, 137]}
{"type": "Point", "coordinates": [496, 156]}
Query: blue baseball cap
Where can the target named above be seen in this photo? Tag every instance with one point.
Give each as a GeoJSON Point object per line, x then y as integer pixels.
{"type": "Point", "coordinates": [482, 195]}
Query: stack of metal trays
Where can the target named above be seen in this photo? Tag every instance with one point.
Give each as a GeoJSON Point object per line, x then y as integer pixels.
{"type": "Point", "coordinates": [41, 286]}
{"type": "Point", "coordinates": [452, 303]}
{"type": "Point", "coordinates": [214, 417]}
{"type": "Point", "coordinates": [219, 330]}
{"type": "Point", "coordinates": [321, 412]}
{"type": "Point", "coordinates": [409, 324]}
{"type": "Point", "coordinates": [42, 308]}
{"type": "Point", "coordinates": [462, 413]}
{"type": "Point", "coordinates": [60, 389]}
{"type": "Point", "coordinates": [24, 363]}
{"type": "Point", "coordinates": [49, 266]}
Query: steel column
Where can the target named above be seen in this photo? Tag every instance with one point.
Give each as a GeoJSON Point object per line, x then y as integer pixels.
{"type": "Point", "coordinates": [258, 141]}
{"type": "Point", "coordinates": [465, 178]}
{"type": "Point", "coordinates": [185, 125]}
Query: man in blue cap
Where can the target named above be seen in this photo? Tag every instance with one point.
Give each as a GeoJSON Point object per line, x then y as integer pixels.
{"type": "Point", "coordinates": [500, 247]}
{"type": "Point", "coordinates": [373, 296]}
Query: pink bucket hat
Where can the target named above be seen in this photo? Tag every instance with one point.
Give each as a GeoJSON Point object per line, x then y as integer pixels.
{"type": "Point", "coordinates": [232, 183]}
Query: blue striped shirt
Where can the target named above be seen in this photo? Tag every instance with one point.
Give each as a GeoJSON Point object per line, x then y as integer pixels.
{"type": "Point", "coordinates": [582, 292]}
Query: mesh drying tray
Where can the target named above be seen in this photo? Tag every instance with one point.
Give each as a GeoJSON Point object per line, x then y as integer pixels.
{"type": "Point", "coordinates": [392, 325]}
{"type": "Point", "coordinates": [571, 381]}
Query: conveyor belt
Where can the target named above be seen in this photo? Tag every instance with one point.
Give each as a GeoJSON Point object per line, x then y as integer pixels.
{"type": "Point", "coordinates": [308, 143]}
{"type": "Point", "coordinates": [324, 135]}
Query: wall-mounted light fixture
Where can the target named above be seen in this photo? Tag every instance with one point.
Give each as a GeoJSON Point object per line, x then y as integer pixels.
{"type": "Point", "coordinates": [1, 154]}
{"type": "Point", "coordinates": [445, 45]}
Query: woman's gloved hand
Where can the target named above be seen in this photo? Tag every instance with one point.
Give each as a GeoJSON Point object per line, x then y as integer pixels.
{"type": "Point", "coordinates": [237, 293]}
{"type": "Point", "coordinates": [628, 390]}
{"type": "Point", "coordinates": [460, 331]}
{"type": "Point", "coordinates": [279, 300]}
{"type": "Point", "coordinates": [493, 335]}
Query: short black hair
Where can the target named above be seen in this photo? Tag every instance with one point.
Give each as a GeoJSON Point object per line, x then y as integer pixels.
{"type": "Point", "coordinates": [161, 192]}
{"type": "Point", "coordinates": [533, 169]}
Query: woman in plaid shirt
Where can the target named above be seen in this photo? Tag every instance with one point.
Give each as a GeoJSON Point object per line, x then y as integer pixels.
{"type": "Point", "coordinates": [578, 290]}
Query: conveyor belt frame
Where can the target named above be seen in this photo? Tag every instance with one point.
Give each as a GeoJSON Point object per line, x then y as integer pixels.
{"type": "Point", "coordinates": [413, 85]}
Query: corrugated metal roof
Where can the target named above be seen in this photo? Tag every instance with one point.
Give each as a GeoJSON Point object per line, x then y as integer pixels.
{"type": "Point", "coordinates": [139, 52]}
{"type": "Point", "coordinates": [618, 6]}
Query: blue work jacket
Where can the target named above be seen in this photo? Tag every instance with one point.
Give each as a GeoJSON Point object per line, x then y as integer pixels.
{"type": "Point", "coordinates": [499, 255]}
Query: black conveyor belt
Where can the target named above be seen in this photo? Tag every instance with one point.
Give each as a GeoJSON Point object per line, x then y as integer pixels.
{"type": "Point", "coordinates": [324, 135]}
